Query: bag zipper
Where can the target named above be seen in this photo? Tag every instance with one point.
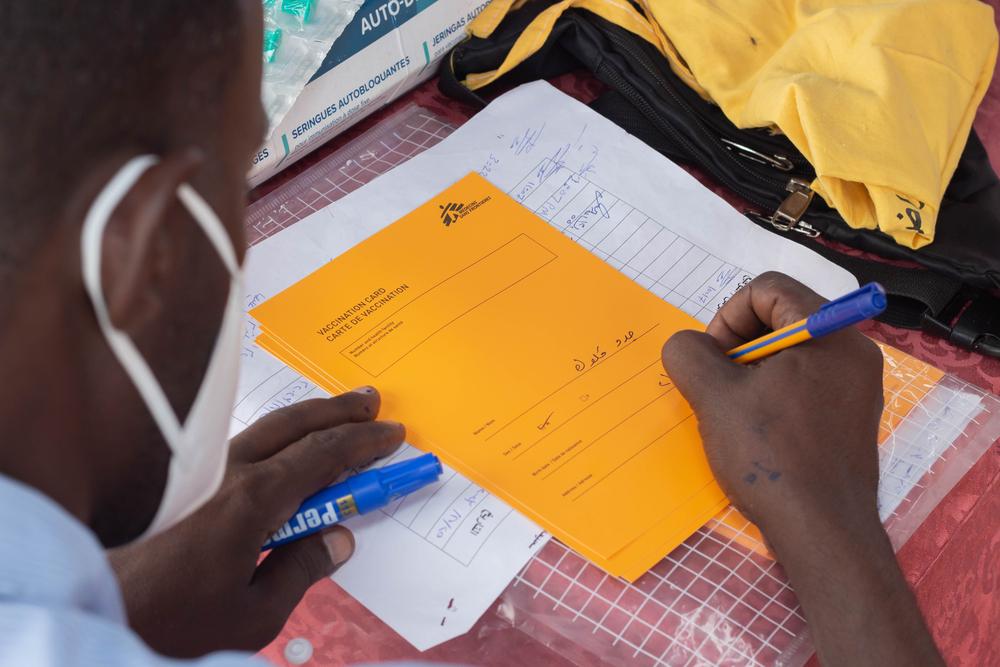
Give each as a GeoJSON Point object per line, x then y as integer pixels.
{"type": "Point", "coordinates": [774, 160]}
{"type": "Point", "coordinates": [788, 215]}
{"type": "Point", "coordinates": [760, 146]}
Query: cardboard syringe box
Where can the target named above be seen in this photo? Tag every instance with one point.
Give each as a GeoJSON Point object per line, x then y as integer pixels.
{"type": "Point", "coordinates": [388, 48]}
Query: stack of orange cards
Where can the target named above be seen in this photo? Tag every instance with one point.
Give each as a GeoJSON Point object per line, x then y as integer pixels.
{"type": "Point", "coordinates": [523, 361]}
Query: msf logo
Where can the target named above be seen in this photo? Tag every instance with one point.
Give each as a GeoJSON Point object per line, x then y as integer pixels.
{"type": "Point", "coordinates": [450, 212]}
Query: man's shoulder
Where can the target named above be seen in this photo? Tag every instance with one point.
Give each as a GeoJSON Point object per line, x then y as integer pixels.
{"type": "Point", "coordinates": [66, 637]}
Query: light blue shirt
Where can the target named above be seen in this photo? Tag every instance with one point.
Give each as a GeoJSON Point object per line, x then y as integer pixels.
{"type": "Point", "coordinates": [60, 605]}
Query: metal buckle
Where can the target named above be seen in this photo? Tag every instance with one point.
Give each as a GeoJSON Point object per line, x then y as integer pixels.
{"type": "Point", "coordinates": [788, 217]}
{"type": "Point", "coordinates": [970, 320]}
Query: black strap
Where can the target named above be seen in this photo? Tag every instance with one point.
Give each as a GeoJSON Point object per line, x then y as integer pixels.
{"type": "Point", "coordinates": [933, 300]}
{"type": "Point", "coordinates": [921, 299]}
{"type": "Point", "coordinates": [970, 320]}
{"type": "Point", "coordinates": [449, 84]}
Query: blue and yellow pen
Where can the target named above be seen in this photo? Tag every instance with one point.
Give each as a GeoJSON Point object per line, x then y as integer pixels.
{"type": "Point", "coordinates": [858, 306]}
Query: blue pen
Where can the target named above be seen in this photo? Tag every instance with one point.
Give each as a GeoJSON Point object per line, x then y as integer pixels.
{"type": "Point", "coordinates": [858, 306]}
{"type": "Point", "coordinates": [358, 494]}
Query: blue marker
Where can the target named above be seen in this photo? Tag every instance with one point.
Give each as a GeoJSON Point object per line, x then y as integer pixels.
{"type": "Point", "coordinates": [858, 306]}
{"type": "Point", "coordinates": [359, 494]}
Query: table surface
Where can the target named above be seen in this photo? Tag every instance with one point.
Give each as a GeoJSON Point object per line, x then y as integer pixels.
{"type": "Point", "coordinates": [952, 561]}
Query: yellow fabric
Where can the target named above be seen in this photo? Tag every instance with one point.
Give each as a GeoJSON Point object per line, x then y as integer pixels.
{"type": "Point", "coordinates": [619, 12]}
{"type": "Point", "coordinates": [878, 96]}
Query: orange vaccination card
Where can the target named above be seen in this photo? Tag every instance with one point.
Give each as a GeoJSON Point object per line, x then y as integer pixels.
{"type": "Point", "coordinates": [523, 361]}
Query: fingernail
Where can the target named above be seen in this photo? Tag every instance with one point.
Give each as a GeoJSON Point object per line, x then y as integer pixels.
{"type": "Point", "coordinates": [364, 390]}
{"type": "Point", "coordinates": [339, 544]}
{"type": "Point", "coordinates": [395, 425]}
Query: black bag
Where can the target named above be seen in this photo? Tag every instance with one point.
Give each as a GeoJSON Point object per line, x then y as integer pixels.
{"type": "Point", "coordinates": [950, 298]}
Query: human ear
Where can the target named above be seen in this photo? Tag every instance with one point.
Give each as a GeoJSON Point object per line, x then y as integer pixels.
{"type": "Point", "coordinates": [139, 247]}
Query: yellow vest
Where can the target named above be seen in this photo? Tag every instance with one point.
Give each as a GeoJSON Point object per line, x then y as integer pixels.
{"type": "Point", "coordinates": [878, 96]}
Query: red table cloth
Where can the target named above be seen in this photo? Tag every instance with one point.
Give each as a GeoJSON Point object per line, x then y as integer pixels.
{"type": "Point", "coordinates": [952, 561]}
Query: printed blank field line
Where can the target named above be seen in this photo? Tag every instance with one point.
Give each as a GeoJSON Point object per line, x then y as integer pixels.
{"type": "Point", "coordinates": [595, 203]}
{"type": "Point", "coordinates": [571, 381]}
{"type": "Point", "coordinates": [614, 229]}
{"type": "Point", "coordinates": [471, 510]}
{"type": "Point", "coordinates": [425, 539]}
{"type": "Point", "coordinates": [454, 319]}
{"type": "Point", "coordinates": [595, 440]}
{"type": "Point", "coordinates": [655, 259]}
{"type": "Point", "coordinates": [483, 542]}
{"type": "Point", "coordinates": [440, 516]}
{"type": "Point", "coordinates": [661, 226]}
{"type": "Point", "coordinates": [261, 410]}
{"type": "Point", "coordinates": [688, 274]}
{"type": "Point", "coordinates": [420, 510]}
{"type": "Point", "coordinates": [438, 284]}
{"type": "Point", "coordinates": [641, 450]}
{"type": "Point", "coordinates": [279, 392]}
{"type": "Point", "coordinates": [585, 408]}
{"type": "Point", "coordinates": [260, 384]}
{"type": "Point", "coordinates": [565, 204]}
{"type": "Point", "coordinates": [629, 237]}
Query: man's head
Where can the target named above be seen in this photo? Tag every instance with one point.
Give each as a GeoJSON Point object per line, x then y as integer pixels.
{"type": "Point", "coordinates": [87, 86]}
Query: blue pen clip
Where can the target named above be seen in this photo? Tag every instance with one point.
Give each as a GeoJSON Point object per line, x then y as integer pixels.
{"type": "Point", "coordinates": [377, 488]}
{"type": "Point", "coordinates": [857, 306]}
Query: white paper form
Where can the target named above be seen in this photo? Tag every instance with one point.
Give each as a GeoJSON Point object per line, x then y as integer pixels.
{"type": "Point", "coordinates": [461, 545]}
{"type": "Point", "coordinates": [601, 186]}
{"type": "Point", "coordinates": [416, 569]}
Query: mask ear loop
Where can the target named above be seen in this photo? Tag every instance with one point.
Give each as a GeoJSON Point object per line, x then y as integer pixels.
{"type": "Point", "coordinates": [91, 246]}
{"type": "Point", "coordinates": [211, 225]}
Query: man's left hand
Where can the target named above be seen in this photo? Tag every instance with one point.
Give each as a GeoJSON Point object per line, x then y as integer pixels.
{"type": "Point", "coordinates": [201, 586]}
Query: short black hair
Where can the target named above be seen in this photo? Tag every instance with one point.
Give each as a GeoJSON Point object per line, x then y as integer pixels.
{"type": "Point", "coordinates": [85, 78]}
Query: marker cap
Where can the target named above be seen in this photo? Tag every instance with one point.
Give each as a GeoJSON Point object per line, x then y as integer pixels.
{"type": "Point", "coordinates": [861, 304]}
{"type": "Point", "coordinates": [376, 488]}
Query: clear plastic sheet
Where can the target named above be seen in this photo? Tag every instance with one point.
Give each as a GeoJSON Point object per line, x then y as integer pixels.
{"type": "Point", "coordinates": [408, 132]}
{"type": "Point", "coordinates": [719, 598]}
{"type": "Point", "coordinates": [297, 36]}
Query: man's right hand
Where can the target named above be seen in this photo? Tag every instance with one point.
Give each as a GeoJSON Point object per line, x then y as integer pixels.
{"type": "Point", "coordinates": [793, 435]}
{"type": "Point", "coordinates": [792, 441]}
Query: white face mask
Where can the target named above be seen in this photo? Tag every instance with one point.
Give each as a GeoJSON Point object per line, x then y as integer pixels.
{"type": "Point", "coordinates": [200, 445]}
